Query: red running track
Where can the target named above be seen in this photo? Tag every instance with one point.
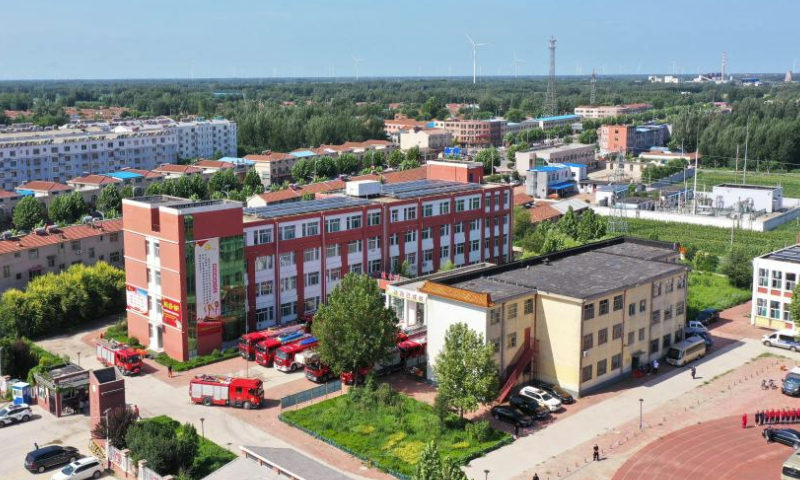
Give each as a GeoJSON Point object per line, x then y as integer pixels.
{"type": "Point", "coordinates": [715, 450]}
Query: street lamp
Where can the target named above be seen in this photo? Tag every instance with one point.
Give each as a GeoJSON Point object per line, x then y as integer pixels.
{"type": "Point", "coordinates": [203, 427]}
{"type": "Point", "coordinates": [641, 403]}
{"type": "Point", "coordinates": [486, 473]}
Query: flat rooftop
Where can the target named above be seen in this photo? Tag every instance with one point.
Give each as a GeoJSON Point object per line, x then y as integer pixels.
{"type": "Point", "coordinates": [747, 187]}
{"type": "Point", "coordinates": [789, 254]}
{"type": "Point", "coordinates": [304, 207]}
{"type": "Point", "coordinates": [638, 250]}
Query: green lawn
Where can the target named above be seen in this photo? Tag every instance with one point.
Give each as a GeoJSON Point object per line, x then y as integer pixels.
{"type": "Point", "coordinates": [789, 181]}
{"type": "Point", "coordinates": [391, 429]}
{"type": "Point", "coordinates": [708, 290]}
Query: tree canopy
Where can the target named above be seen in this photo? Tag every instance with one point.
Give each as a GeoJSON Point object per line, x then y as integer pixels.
{"type": "Point", "coordinates": [28, 213]}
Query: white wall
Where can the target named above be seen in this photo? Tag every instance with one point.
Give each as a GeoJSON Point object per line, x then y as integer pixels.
{"type": "Point", "coordinates": [440, 315]}
{"type": "Point", "coordinates": [762, 224]}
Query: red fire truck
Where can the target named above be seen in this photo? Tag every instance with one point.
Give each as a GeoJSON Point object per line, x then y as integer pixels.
{"type": "Point", "coordinates": [265, 349]}
{"type": "Point", "coordinates": [246, 393]}
{"type": "Point", "coordinates": [248, 341]}
{"type": "Point", "coordinates": [114, 354]}
{"type": "Point", "coordinates": [286, 356]}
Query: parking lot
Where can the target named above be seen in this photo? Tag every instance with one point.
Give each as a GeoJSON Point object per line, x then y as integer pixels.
{"type": "Point", "coordinates": [44, 429]}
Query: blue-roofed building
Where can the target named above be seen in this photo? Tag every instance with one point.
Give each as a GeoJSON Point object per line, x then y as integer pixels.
{"type": "Point", "coordinates": [123, 175]}
{"type": "Point", "coordinates": [303, 153]}
{"type": "Point", "coordinates": [579, 170]}
{"type": "Point", "coordinates": [546, 123]}
{"type": "Point", "coordinates": [238, 161]}
{"type": "Point", "coordinates": [544, 181]}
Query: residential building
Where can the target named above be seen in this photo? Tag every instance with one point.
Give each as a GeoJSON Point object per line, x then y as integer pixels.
{"type": "Point", "coordinates": [746, 198]}
{"type": "Point", "coordinates": [541, 182]}
{"type": "Point", "coordinates": [172, 172]}
{"type": "Point", "coordinates": [547, 123]}
{"type": "Point", "coordinates": [203, 138]}
{"type": "Point", "coordinates": [93, 182]}
{"type": "Point", "coordinates": [273, 167]}
{"type": "Point", "coordinates": [662, 156]}
{"type": "Point", "coordinates": [632, 139]}
{"type": "Point", "coordinates": [54, 249]}
{"type": "Point", "coordinates": [474, 133]}
{"type": "Point", "coordinates": [607, 195]}
{"type": "Point", "coordinates": [580, 318]}
{"type": "Point", "coordinates": [397, 125]}
{"type": "Point", "coordinates": [279, 262]}
{"type": "Point", "coordinates": [774, 279]}
{"type": "Point", "coordinates": [429, 141]}
{"type": "Point", "coordinates": [606, 111]}
{"type": "Point", "coordinates": [562, 153]}
{"type": "Point", "coordinates": [633, 169]}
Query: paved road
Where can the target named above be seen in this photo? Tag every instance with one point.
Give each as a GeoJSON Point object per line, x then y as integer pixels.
{"type": "Point", "coordinates": [507, 462]}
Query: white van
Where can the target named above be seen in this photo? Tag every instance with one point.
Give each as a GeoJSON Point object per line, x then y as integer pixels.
{"type": "Point", "coordinates": [685, 351]}
{"type": "Point", "coordinates": [782, 339]}
{"type": "Point", "coordinates": [791, 467]}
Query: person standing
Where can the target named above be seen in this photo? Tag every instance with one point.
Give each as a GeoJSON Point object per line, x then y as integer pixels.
{"type": "Point", "coordinates": [744, 420]}
{"type": "Point", "coordinates": [535, 477]}
{"type": "Point", "coordinates": [655, 367]}
{"type": "Point", "coordinates": [596, 454]}
{"type": "Point", "coordinates": [756, 418]}
{"type": "Point", "coordinates": [136, 411]}
{"type": "Point", "coordinates": [169, 371]}
{"type": "Point", "coordinates": [694, 372]}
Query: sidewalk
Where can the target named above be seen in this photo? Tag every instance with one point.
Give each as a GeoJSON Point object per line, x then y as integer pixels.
{"type": "Point", "coordinates": [586, 424]}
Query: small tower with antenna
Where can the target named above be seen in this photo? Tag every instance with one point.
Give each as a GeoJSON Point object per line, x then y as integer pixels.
{"type": "Point", "coordinates": [593, 89]}
{"type": "Point", "coordinates": [550, 105]}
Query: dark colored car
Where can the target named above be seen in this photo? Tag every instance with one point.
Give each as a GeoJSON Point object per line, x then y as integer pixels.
{"type": "Point", "coordinates": [786, 436]}
{"type": "Point", "coordinates": [43, 458]}
{"type": "Point", "coordinates": [709, 315]}
{"type": "Point", "coordinates": [511, 415]}
{"type": "Point", "coordinates": [529, 406]}
{"type": "Point", "coordinates": [556, 391]}
{"type": "Point", "coordinates": [705, 336]}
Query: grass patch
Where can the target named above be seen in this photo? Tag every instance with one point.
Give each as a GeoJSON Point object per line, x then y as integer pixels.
{"type": "Point", "coordinates": [119, 332]}
{"type": "Point", "coordinates": [213, 357]}
{"type": "Point", "coordinates": [390, 429]}
{"type": "Point", "coordinates": [707, 290]}
{"type": "Point", "coordinates": [210, 456]}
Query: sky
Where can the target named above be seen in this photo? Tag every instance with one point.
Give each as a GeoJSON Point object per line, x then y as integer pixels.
{"type": "Point", "coordinates": [102, 39]}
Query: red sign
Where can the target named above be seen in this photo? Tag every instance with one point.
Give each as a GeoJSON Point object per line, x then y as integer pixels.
{"type": "Point", "coordinates": [208, 328]}
{"type": "Point", "coordinates": [171, 313]}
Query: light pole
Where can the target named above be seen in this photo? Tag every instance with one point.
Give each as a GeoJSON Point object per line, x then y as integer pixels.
{"type": "Point", "coordinates": [641, 403]}
{"type": "Point", "coordinates": [486, 473]}
{"type": "Point", "coordinates": [79, 359]}
{"type": "Point", "coordinates": [203, 427]}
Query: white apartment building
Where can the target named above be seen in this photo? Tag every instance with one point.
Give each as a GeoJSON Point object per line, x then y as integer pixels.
{"type": "Point", "coordinates": [202, 138]}
{"type": "Point", "coordinates": [774, 278]}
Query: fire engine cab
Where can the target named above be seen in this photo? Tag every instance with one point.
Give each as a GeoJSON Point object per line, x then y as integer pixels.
{"type": "Point", "coordinates": [248, 341]}
{"type": "Point", "coordinates": [286, 357]}
{"type": "Point", "coordinates": [265, 350]}
{"type": "Point", "coordinates": [115, 354]}
{"type": "Point", "coordinates": [246, 393]}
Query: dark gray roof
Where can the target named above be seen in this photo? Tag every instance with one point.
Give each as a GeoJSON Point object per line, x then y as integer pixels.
{"type": "Point", "coordinates": [638, 250]}
{"type": "Point", "coordinates": [499, 290]}
{"type": "Point", "coordinates": [419, 188]}
{"type": "Point", "coordinates": [244, 469]}
{"type": "Point", "coordinates": [307, 206]}
{"type": "Point", "coordinates": [299, 465]}
{"type": "Point", "coordinates": [589, 274]}
{"type": "Point", "coordinates": [790, 254]}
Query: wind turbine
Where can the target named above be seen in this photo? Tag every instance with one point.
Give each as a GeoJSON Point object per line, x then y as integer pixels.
{"type": "Point", "coordinates": [474, 56]}
{"type": "Point", "coordinates": [515, 63]}
{"type": "Point", "coordinates": [356, 61]}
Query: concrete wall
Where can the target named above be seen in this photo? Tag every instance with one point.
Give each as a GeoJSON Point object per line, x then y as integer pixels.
{"type": "Point", "coordinates": [558, 331]}
{"type": "Point", "coordinates": [762, 224]}
{"type": "Point", "coordinates": [442, 313]}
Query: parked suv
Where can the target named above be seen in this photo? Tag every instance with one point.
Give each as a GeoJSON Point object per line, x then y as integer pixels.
{"type": "Point", "coordinates": [791, 382]}
{"type": "Point", "coordinates": [83, 469]}
{"type": "Point", "coordinates": [43, 458]}
{"type": "Point", "coordinates": [707, 316]}
{"type": "Point", "coordinates": [556, 391]}
{"type": "Point", "coordinates": [15, 413]}
{"type": "Point", "coordinates": [529, 406]}
{"type": "Point", "coordinates": [545, 399]}
{"type": "Point", "coordinates": [783, 339]}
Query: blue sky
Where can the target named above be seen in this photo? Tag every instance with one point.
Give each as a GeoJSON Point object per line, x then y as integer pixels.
{"type": "Point", "coordinates": [265, 38]}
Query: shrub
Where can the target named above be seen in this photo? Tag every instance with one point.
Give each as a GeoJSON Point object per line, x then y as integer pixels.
{"type": "Point", "coordinates": [479, 431]}
{"type": "Point", "coordinates": [195, 362]}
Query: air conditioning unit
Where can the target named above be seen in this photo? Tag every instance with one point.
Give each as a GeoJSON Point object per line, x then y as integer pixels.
{"type": "Point", "coordinates": [586, 353]}
{"type": "Point", "coordinates": [80, 252]}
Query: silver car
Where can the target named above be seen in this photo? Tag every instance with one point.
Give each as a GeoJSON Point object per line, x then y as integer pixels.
{"type": "Point", "coordinates": [15, 413]}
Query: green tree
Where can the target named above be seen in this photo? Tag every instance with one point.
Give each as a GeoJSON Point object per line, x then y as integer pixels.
{"type": "Point", "coordinates": [224, 180]}
{"type": "Point", "coordinates": [522, 221]}
{"type": "Point", "coordinates": [395, 159]}
{"type": "Point", "coordinates": [110, 201]}
{"type": "Point", "coordinates": [125, 192]}
{"type": "Point", "coordinates": [408, 165]}
{"type": "Point", "coordinates": [218, 154]}
{"type": "Point", "coordinates": [114, 425]}
{"type": "Point", "coordinates": [354, 328]}
{"type": "Point", "coordinates": [705, 261]}
{"type": "Point", "coordinates": [465, 369]}
{"type": "Point", "coordinates": [253, 182]}
{"type": "Point", "coordinates": [59, 211]}
{"type": "Point", "coordinates": [447, 266]}
{"type": "Point", "coordinates": [588, 136]}
{"type": "Point", "coordinates": [429, 465]}
{"type": "Point", "coordinates": [167, 447]}
{"type": "Point", "coordinates": [591, 226]}
{"type": "Point", "coordinates": [489, 157]}
{"type": "Point", "coordinates": [303, 170]}
{"type": "Point", "coordinates": [794, 307]}
{"type": "Point", "coordinates": [325, 167]}
{"type": "Point", "coordinates": [412, 154]}
{"type": "Point", "coordinates": [28, 214]}
{"type": "Point", "coordinates": [347, 163]}
{"type": "Point", "coordinates": [568, 224]}
{"type": "Point", "coordinates": [738, 268]}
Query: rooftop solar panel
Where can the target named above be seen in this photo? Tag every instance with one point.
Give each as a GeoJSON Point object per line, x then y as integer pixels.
{"type": "Point", "coordinates": [418, 188]}
{"type": "Point", "coordinates": [791, 254]}
{"type": "Point", "coordinates": [307, 206]}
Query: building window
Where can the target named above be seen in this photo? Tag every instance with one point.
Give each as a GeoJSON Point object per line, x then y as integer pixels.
{"type": "Point", "coordinates": [670, 285]}
{"type": "Point", "coordinates": [680, 308]}
{"type": "Point", "coordinates": [777, 279]}
{"type": "Point", "coordinates": [460, 205]}
{"type": "Point", "coordinates": [528, 306]}
{"type": "Point", "coordinates": [410, 213]}
{"type": "Point", "coordinates": [602, 336]}
{"type": "Point", "coordinates": [395, 216]}
{"type": "Point", "coordinates": [631, 338]}
{"type": "Point", "coordinates": [334, 274]}
{"type": "Point", "coordinates": [287, 232]}
{"type": "Point", "coordinates": [374, 266]}
{"type": "Point", "coordinates": [616, 331]}
{"type": "Point", "coordinates": [287, 259]}
{"type": "Point", "coordinates": [288, 309]}
{"type": "Point", "coordinates": [616, 362]}
{"type": "Point", "coordinates": [354, 246]}
{"type": "Point", "coordinates": [474, 245]}
{"type": "Point", "coordinates": [603, 307]}
{"type": "Point", "coordinates": [6, 271]}
{"type": "Point", "coordinates": [774, 309]}
{"type": "Point", "coordinates": [311, 304]}
{"type": "Point", "coordinates": [642, 306]}
{"type": "Point", "coordinates": [34, 253]}
{"type": "Point", "coordinates": [641, 334]}
{"type": "Point", "coordinates": [353, 222]}
{"type": "Point", "coordinates": [427, 232]}
{"type": "Point", "coordinates": [654, 346]}
{"type": "Point", "coordinates": [333, 225]}
{"type": "Point", "coordinates": [411, 236]}
{"type": "Point", "coordinates": [588, 311]}
{"type": "Point", "coordinates": [373, 218]}
{"type": "Point", "coordinates": [511, 311]}
{"type": "Point", "coordinates": [333, 251]}
{"type": "Point", "coordinates": [655, 316]}
{"type": "Point", "coordinates": [158, 277]}
{"type": "Point", "coordinates": [444, 208]}
{"type": "Point", "coordinates": [511, 341]}
{"type": "Point", "coordinates": [265, 314]}
{"type": "Point", "coordinates": [618, 303]}
{"type": "Point", "coordinates": [495, 316]}
{"type": "Point", "coordinates": [427, 210]}
{"type": "Point", "coordinates": [632, 310]}
{"type": "Point", "coordinates": [312, 279]}
{"type": "Point", "coordinates": [667, 312]}
{"type": "Point", "coordinates": [761, 307]}
{"type": "Point", "coordinates": [427, 256]}
{"type": "Point", "coordinates": [311, 229]}
{"type": "Point", "coordinates": [263, 263]}
{"type": "Point", "coordinates": [588, 341]}
{"type": "Point", "coordinates": [445, 253]}
{"type": "Point", "coordinates": [586, 373]}
{"type": "Point", "coordinates": [460, 248]}
{"type": "Point", "coordinates": [459, 227]}
{"type": "Point", "coordinates": [311, 254]}
{"type": "Point", "coordinates": [114, 257]}
{"type": "Point", "coordinates": [444, 231]}
{"type": "Point", "coordinates": [289, 283]}
{"type": "Point", "coordinates": [262, 236]}
{"type": "Point", "coordinates": [264, 288]}
{"type": "Point", "coordinates": [474, 225]}
{"type": "Point", "coordinates": [666, 341]}
{"type": "Point", "coordinates": [791, 281]}
{"type": "Point", "coordinates": [51, 261]}
{"type": "Point", "coordinates": [602, 366]}
{"type": "Point", "coordinates": [681, 282]}
{"type": "Point", "coordinates": [474, 203]}
{"type": "Point", "coordinates": [114, 237]}
{"type": "Point", "coordinates": [496, 344]}
{"type": "Point", "coordinates": [656, 289]}
{"type": "Point", "coordinates": [374, 243]}
{"type": "Point", "coordinates": [763, 277]}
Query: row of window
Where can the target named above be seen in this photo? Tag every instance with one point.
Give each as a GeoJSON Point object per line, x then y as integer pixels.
{"type": "Point", "coordinates": [603, 305]}
{"type": "Point", "coordinates": [777, 280]}
{"type": "Point", "coordinates": [511, 311]}
{"type": "Point", "coordinates": [774, 309]}
{"type": "Point", "coordinates": [601, 368]}
{"type": "Point", "coordinates": [288, 309]}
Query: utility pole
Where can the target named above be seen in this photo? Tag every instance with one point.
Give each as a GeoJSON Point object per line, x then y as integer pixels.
{"type": "Point", "coordinates": [696, 156]}
{"type": "Point", "coordinates": [736, 167]}
{"type": "Point", "coordinates": [746, 139]}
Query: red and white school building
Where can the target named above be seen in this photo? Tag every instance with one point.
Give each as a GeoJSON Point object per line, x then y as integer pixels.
{"type": "Point", "coordinates": [774, 278]}
{"type": "Point", "coordinates": [199, 274]}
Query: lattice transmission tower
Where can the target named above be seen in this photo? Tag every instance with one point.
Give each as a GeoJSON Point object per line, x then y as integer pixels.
{"type": "Point", "coordinates": [618, 221]}
{"type": "Point", "coordinates": [550, 105]}
{"type": "Point", "coordinates": [593, 90]}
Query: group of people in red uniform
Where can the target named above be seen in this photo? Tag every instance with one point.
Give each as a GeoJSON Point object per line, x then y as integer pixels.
{"type": "Point", "coordinates": [776, 416]}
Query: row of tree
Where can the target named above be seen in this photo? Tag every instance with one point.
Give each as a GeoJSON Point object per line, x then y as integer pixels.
{"type": "Point", "coordinates": [324, 168]}
{"type": "Point", "coordinates": [569, 231]}
{"type": "Point", "coordinates": [55, 302]}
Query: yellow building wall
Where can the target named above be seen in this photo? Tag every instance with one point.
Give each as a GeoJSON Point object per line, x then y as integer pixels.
{"type": "Point", "coordinates": [510, 326]}
{"type": "Point", "coordinates": [558, 331]}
